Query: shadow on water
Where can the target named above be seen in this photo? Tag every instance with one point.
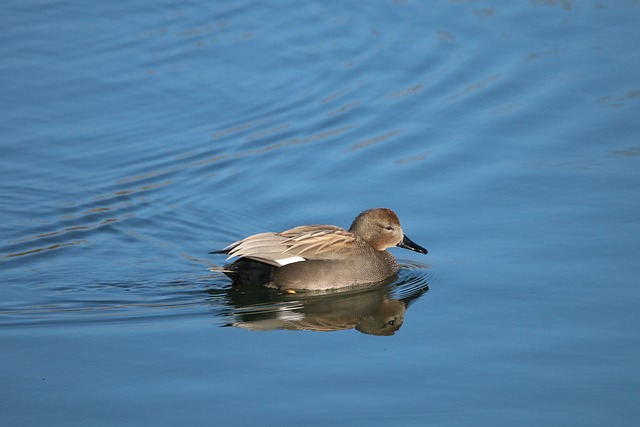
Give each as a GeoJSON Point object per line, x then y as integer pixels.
{"type": "Point", "coordinates": [376, 310]}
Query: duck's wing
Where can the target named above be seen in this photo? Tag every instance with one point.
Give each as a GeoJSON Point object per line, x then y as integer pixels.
{"type": "Point", "coordinates": [307, 242]}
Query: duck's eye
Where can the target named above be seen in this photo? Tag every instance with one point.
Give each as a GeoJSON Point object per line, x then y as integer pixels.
{"type": "Point", "coordinates": [388, 227]}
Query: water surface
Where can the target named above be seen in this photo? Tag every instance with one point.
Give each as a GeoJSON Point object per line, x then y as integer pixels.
{"type": "Point", "coordinates": [137, 138]}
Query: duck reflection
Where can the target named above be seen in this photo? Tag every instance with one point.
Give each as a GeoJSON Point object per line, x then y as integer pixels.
{"type": "Point", "coordinates": [377, 310]}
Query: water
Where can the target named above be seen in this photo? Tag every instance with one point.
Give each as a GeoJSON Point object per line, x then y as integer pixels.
{"type": "Point", "coordinates": [136, 138]}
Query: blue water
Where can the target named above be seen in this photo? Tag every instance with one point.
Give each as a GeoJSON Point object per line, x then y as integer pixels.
{"type": "Point", "coordinates": [138, 137]}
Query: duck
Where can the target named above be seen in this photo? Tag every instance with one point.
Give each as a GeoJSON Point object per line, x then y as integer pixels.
{"type": "Point", "coordinates": [321, 257]}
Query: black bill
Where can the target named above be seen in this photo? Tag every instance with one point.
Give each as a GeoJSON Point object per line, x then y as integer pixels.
{"type": "Point", "coordinates": [408, 244]}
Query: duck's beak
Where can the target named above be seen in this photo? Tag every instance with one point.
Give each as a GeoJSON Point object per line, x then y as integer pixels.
{"type": "Point", "coordinates": [408, 244]}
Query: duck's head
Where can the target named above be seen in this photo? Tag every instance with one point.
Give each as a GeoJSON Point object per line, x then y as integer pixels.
{"type": "Point", "coordinates": [381, 229]}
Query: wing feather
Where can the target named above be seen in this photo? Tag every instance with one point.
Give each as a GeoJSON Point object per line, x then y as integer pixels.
{"type": "Point", "coordinates": [315, 242]}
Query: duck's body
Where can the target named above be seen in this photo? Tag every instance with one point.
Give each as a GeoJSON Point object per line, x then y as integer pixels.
{"type": "Point", "coordinates": [321, 257]}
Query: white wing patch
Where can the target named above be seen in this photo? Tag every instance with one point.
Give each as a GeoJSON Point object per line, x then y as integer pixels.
{"type": "Point", "coordinates": [290, 260]}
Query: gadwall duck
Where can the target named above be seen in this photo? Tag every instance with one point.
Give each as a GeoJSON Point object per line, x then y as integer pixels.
{"type": "Point", "coordinates": [320, 257]}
